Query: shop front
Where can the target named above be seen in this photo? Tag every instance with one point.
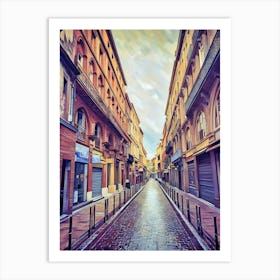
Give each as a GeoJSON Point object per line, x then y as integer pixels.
{"type": "Point", "coordinates": [97, 171]}
{"type": "Point", "coordinates": [81, 174]}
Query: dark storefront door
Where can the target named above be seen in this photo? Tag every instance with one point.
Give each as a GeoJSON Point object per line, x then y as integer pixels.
{"type": "Point", "coordinates": [80, 182]}
{"type": "Point", "coordinates": [179, 178]}
{"type": "Point", "coordinates": [96, 182]}
{"type": "Point", "coordinates": [191, 175]}
{"type": "Point", "coordinates": [205, 177]}
{"type": "Point", "coordinates": [64, 185]}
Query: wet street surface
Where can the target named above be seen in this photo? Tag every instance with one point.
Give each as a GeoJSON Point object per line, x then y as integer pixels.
{"type": "Point", "coordinates": [148, 223]}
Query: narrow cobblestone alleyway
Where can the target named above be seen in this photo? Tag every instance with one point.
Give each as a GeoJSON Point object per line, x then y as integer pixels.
{"type": "Point", "coordinates": [148, 223]}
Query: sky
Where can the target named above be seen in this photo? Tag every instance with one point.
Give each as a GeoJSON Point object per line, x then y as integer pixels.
{"type": "Point", "coordinates": [147, 58]}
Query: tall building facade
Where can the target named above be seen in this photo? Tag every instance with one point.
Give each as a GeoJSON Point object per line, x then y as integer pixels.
{"type": "Point", "coordinates": [192, 127]}
{"type": "Point", "coordinates": [94, 118]}
{"type": "Point", "coordinates": [137, 153]}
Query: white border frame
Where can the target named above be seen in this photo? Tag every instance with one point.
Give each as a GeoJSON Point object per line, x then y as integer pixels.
{"type": "Point", "coordinates": [224, 25]}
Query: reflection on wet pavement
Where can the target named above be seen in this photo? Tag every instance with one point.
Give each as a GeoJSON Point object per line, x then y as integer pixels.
{"type": "Point", "coordinates": [148, 223]}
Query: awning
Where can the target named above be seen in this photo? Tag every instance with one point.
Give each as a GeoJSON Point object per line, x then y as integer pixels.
{"type": "Point", "coordinates": [213, 147]}
{"type": "Point", "coordinates": [200, 152]}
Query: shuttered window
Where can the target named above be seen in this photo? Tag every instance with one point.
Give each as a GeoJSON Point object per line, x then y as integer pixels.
{"type": "Point", "coordinates": [205, 177]}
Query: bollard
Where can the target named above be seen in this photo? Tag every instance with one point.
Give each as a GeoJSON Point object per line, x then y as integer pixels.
{"type": "Point", "coordinates": [120, 199]}
{"type": "Point", "coordinates": [105, 209]}
{"type": "Point", "coordinates": [114, 210]}
{"type": "Point", "coordinates": [107, 212]}
{"type": "Point", "coordinates": [217, 245]}
{"type": "Point", "coordinates": [200, 221]}
{"type": "Point", "coordinates": [124, 196]}
{"type": "Point", "coordinates": [188, 210]}
{"type": "Point", "coordinates": [90, 222]}
{"type": "Point", "coordinates": [197, 218]}
{"type": "Point", "coordinates": [94, 213]}
{"type": "Point", "coordinates": [70, 234]}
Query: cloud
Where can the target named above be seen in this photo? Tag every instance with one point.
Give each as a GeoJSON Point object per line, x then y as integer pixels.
{"type": "Point", "coordinates": [146, 86]}
{"type": "Point", "coordinates": [147, 58]}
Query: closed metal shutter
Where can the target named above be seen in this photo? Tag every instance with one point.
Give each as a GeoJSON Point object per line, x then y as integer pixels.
{"type": "Point", "coordinates": [96, 181]}
{"type": "Point", "coordinates": [191, 173]}
{"type": "Point", "coordinates": [205, 178]}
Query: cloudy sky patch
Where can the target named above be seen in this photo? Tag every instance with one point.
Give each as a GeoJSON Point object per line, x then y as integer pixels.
{"type": "Point", "coordinates": [147, 58]}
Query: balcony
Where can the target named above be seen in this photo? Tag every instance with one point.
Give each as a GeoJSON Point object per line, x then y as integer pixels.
{"type": "Point", "coordinates": [168, 148]}
{"type": "Point", "coordinates": [212, 56]}
{"type": "Point", "coordinates": [130, 159]}
{"type": "Point", "coordinates": [92, 92]}
{"type": "Point", "coordinates": [176, 155]}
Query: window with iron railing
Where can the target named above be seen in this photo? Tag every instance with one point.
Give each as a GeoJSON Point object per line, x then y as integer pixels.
{"type": "Point", "coordinates": [81, 125]}
{"type": "Point", "coordinates": [217, 111]}
{"type": "Point", "coordinates": [81, 133]}
{"type": "Point", "coordinates": [201, 134]}
{"type": "Point", "coordinates": [97, 135]}
{"type": "Point", "coordinates": [189, 144]}
{"type": "Point", "coordinates": [97, 143]}
{"type": "Point", "coordinates": [201, 126]}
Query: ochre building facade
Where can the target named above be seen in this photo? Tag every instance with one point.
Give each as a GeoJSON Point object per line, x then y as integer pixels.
{"type": "Point", "coordinates": [191, 133]}
{"type": "Point", "coordinates": [95, 142]}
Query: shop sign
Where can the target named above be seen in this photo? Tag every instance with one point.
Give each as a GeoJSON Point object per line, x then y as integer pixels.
{"type": "Point", "coordinates": [81, 153]}
{"type": "Point", "coordinates": [95, 158]}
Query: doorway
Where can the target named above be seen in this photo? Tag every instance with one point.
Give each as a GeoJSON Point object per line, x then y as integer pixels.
{"type": "Point", "coordinates": [96, 182]}
{"type": "Point", "coordinates": [80, 183]}
{"type": "Point", "coordinates": [64, 185]}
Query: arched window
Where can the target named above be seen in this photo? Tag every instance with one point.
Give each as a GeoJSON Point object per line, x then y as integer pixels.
{"type": "Point", "coordinates": [93, 40]}
{"type": "Point", "coordinates": [188, 136]}
{"type": "Point", "coordinates": [201, 126]}
{"type": "Point", "coordinates": [97, 135]}
{"type": "Point", "coordinates": [217, 111]}
{"type": "Point", "coordinates": [122, 150]}
{"type": "Point", "coordinates": [93, 74]}
{"type": "Point", "coordinates": [101, 57]}
{"type": "Point", "coordinates": [81, 55]}
{"type": "Point", "coordinates": [111, 140]}
{"type": "Point", "coordinates": [81, 124]}
{"type": "Point", "coordinates": [201, 52]}
{"type": "Point", "coordinates": [100, 83]}
{"type": "Point", "coordinates": [108, 94]}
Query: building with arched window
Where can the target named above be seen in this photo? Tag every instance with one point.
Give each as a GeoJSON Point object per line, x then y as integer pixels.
{"type": "Point", "coordinates": [192, 127]}
{"type": "Point", "coordinates": [68, 131]}
{"type": "Point", "coordinates": [94, 118]}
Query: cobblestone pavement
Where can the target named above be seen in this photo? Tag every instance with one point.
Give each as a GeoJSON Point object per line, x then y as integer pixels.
{"type": "Point", "coordinates": [148, 223]}
{"type": "Point", "coordinates": [208, 212]}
